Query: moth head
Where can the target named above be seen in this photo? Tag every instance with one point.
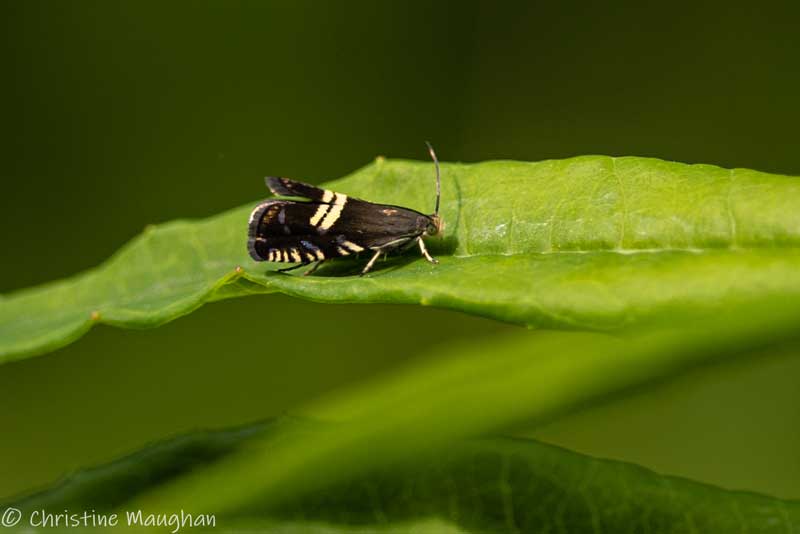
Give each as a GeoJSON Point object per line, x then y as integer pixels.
{"type": "Point", "coordinates": [434, 225]}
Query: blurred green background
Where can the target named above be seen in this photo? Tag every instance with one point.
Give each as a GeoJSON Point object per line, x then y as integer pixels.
{"type": "Point", "coordinates": [120, 114]}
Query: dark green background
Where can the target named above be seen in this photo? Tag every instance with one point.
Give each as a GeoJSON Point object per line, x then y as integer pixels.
{"type": "Point", "coordinates": [120, 114]}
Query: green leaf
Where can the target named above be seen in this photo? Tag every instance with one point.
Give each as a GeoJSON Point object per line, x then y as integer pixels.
{"type": "Point", "coordinates": [397, 450]}
{"type": "Point", "coordinates": [481, 485]}
{"type": "Point", "coordinates": [587, 243]}
{"type": "Point", "coordinates": [467, 391]}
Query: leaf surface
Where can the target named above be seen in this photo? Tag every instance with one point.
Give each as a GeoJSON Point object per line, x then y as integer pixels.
{"type": "Point", "coordinates": [584, 243]}
{"type": "Point", "coordinates": [469, 390]}
{"type": "Point", "coordinates": [497, 485]}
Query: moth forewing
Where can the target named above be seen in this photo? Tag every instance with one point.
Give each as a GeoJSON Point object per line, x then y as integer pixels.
{"type": "Point", "coordinates": [330, 225]}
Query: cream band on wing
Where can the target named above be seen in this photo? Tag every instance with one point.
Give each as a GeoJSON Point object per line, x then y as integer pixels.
{"type": "Point", "coordinates": [333, 214]}
{"type": "Point", "coordinates": [323, 208]}
{"type": "Point", "coordinates": [352, 246]}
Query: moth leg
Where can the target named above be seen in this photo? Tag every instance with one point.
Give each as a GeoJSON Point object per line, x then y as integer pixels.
{"type": "Point", "coordinates": [371, 262]}
{"type": "Point", "coordinates": [314, 268]}
{"type": "Point", "coordinates": [425, 251]}
{"type": "Point", "coordinates": [292, 268]}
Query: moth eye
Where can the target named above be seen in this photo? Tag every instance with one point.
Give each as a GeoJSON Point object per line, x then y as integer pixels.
{"type": "Point", "coordinates": [431, 229]}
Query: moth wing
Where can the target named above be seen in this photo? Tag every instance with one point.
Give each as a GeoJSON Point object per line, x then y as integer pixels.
{"type": "Point", "coordinates": [291, 188]}
{"type": "Point", "coordinates": [377, 226]}
{"type": "Point", "coordinates": [279, 231]}
{"type": "Point", "coordinates": [260, 226]}
{"type": "Point", "coordinates": [303, 232]}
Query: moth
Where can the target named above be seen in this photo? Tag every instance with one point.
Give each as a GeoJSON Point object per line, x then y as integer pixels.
{"type": "Point", "coordinates": [329, 225]}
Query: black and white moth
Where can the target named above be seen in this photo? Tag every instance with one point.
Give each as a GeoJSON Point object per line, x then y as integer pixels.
{"type": "Point", "coordinates": [331, 225]}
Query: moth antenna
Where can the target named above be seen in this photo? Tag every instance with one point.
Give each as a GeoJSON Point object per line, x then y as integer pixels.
{"type": "Point", "coordinates": [438, 180]}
